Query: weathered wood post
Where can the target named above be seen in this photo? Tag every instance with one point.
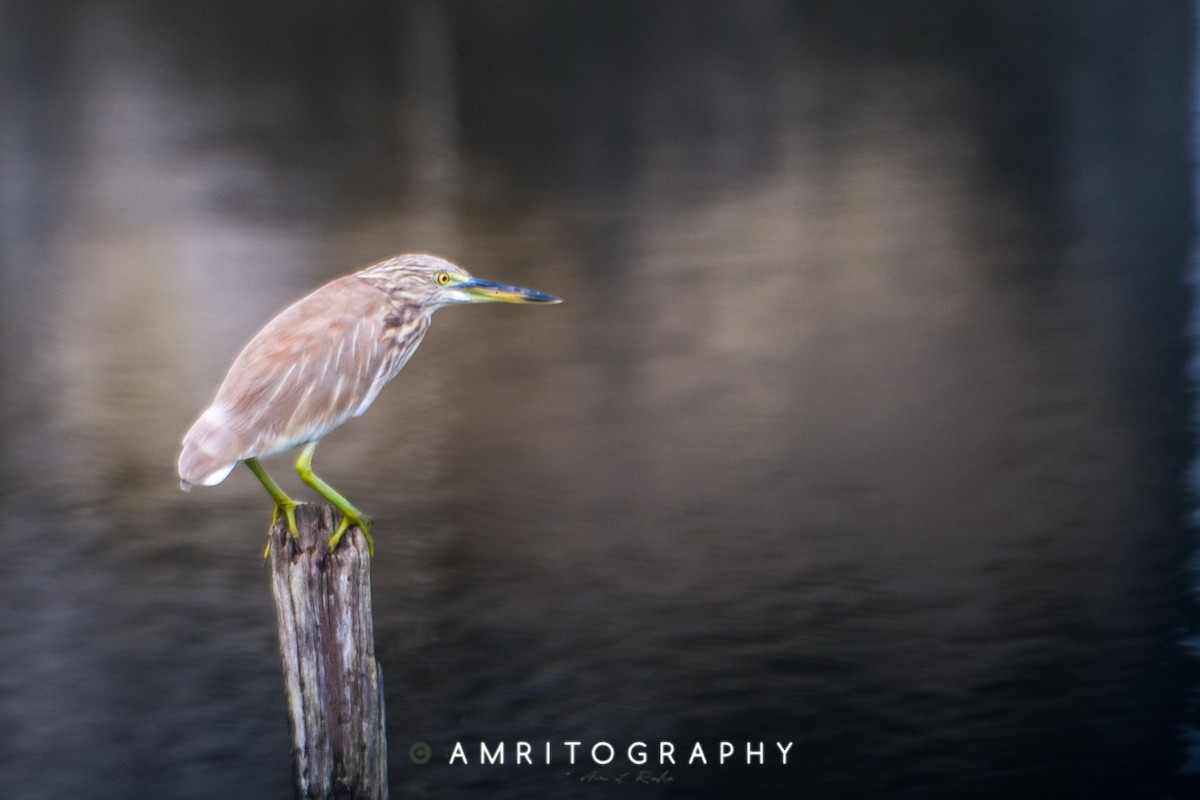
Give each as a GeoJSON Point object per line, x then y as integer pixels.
{"type": "Point", "coordinates": [334, 686]}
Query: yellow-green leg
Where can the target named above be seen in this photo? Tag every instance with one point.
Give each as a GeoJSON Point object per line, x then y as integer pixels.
{"type": "Point", "coordinates": [350, 514]}
{"type": "Point", "coordinates": [283, 503]}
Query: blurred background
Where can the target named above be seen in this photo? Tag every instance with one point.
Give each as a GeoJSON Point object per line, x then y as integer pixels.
{"type": "Point", "coordinates": [865, 425]}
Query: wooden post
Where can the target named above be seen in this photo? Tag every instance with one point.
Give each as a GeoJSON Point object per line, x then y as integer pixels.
{"type": "Point", "coordinates": [327, 641]}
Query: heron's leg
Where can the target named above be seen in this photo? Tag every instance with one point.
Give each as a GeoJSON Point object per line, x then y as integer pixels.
{"type": "Point", "coordinates": [350, 514]}
{"type": "Point", "coordinates": [282, 502]}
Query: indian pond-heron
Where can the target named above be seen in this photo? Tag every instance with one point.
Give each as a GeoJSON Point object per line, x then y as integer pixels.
{"type": "Point", "coordinates": [320, 362]}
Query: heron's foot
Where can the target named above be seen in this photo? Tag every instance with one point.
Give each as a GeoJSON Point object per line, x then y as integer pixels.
{"type": "Point", "coordinates": [288, 509]}
{"type": "Point", "coordinates": [360, 521]}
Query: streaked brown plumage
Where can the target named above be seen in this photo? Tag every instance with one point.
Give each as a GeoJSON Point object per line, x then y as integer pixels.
{"type": "Point", "coordinates": [302, 375]}
{"type": "Point", "coordinates": [322, 361]}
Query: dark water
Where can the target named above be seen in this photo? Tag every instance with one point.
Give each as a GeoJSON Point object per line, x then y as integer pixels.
{"type": "Point", "coordinates": [864, 426]}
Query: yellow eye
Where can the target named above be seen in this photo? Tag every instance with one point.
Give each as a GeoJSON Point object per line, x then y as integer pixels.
{"type": "Point", "coordinates": [443, 278]}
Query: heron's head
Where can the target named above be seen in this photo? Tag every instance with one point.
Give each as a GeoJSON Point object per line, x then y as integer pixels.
{"type": "Point", "coordinates": [429, 282]}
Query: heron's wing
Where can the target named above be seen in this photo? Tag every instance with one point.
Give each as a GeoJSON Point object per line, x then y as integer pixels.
{"type": "Point", "coordinates": [317, 363]}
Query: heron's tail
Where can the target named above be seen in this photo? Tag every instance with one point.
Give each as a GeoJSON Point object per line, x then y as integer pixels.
{"type": "Point", "coordinates": [207, 457]}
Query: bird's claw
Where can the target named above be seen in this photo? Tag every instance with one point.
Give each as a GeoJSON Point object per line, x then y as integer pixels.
{"type": "Point", "coordinates": [363, 523]}
{"type": "Point", "coordinates": [289, 511]}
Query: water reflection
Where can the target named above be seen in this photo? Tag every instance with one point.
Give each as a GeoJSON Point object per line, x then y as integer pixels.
{"type": "Point", "coordinates": [860, 428]}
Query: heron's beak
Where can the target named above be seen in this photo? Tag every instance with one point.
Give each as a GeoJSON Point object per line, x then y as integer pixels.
{"type": "Point", "coordinates": [481, 291]}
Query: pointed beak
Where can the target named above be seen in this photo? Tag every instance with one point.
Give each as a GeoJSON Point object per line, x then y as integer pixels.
{"type": "Point", "coordinates": [481, 291]}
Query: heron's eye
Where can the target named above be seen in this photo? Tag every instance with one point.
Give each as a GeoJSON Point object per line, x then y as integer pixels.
{"type": "Point", "coordinates": [443, 278]}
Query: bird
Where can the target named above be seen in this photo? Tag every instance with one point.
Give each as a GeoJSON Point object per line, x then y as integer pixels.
{"type": "Point", "coordinates": [320, 362]}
